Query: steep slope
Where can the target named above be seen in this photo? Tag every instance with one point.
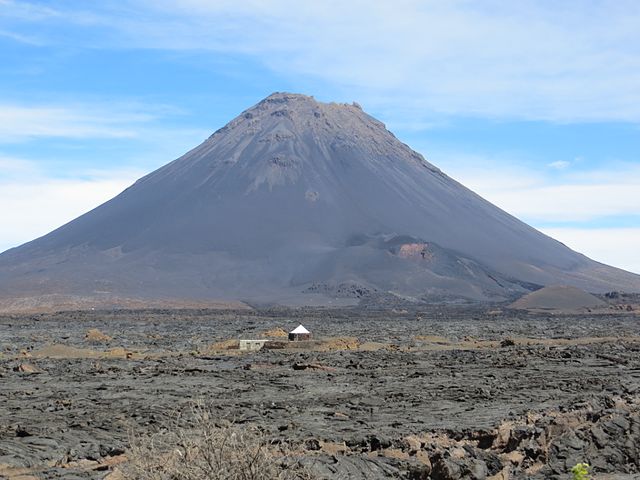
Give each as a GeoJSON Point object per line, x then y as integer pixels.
{"type": "Point", "coordinates": [298, 201]}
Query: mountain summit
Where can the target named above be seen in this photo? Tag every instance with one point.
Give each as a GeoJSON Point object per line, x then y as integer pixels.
{"type": "Point", "coordinates": [300, 202]}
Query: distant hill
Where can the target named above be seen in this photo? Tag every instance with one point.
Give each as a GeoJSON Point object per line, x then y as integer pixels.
{"type": "Point", "coordinates": [560, 298]}
{"type": "Point", "coordinates": [296, 202]}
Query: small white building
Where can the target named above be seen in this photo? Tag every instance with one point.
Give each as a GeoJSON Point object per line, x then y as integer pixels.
{"type": "Point", "coordinates": [299, 334]}
{"type": "Point", "coordinates": [251, 345]}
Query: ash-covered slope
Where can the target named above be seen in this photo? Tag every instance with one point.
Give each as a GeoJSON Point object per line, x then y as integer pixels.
{"type": "Point", "coordinates": [560, 298]}
{"type": "Point", "coordinates": [298, 201]}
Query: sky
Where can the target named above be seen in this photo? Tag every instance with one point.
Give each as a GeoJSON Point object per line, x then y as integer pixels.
{"type": "Point", "coordinates": [535, 104]}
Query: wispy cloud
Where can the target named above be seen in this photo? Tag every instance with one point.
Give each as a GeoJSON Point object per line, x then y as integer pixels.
{"type": "Point", "coordinates": [20, 122]}
{"type": "Point", "coordinates": [576, 62]}
{"type": "Point", "coordinates": [29, 40]}
{"type": "Point", "coordinates": [579, 61]}
{"type": "Point", "coordinates": [33, 11]}
{"type": "Point", "coordinates": [559, 164]}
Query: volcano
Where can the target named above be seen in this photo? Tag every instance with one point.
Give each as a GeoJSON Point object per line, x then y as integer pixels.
{"type": "Point", "coordinates": [295, 202]}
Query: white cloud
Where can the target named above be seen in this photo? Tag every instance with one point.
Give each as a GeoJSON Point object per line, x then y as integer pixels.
{"type": "Point", "coordinates": [536, 197]}
{"type": "Point", "coordinates": [559, 165]}
{"type": "Point", "coordinates": [34, 201]}
{"type": "Point", "coordinates": [568, 202]}
{"type": "Point", "coordinates": [11, 167]}
{"type": "Point", "coordinates": [613, 246]}
{"type": "Point", "coordinates": [32, 204]}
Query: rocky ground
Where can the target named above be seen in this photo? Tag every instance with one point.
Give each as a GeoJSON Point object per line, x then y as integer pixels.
{"type": "Point", "coordinates": [442, 393]}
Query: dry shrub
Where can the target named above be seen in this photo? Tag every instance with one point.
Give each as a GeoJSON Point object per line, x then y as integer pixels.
{"type": "Point", "coordinates": [203, 450]}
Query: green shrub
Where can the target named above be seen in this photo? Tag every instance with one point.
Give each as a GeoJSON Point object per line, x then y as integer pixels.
{"type": "Point", "coordinates": [580, 471]}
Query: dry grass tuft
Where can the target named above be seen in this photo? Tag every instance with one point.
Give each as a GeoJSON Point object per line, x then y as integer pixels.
{"type": "Point", "coordinates": [204, 450]}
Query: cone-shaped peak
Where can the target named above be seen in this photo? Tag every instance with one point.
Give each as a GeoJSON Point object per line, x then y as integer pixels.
{"type": "Point", "coordinates": [306, 102]}
{"type": "Point", "coordinates": [284, 97]}
{"type": "Point", "coordinates": [279, 98]}
{"type": "Point", "coordinates": [305, 112]}
{"type": "Point", "coordinates": [294, 200]}
{"type": "Point", "coordinates": [285, 131]}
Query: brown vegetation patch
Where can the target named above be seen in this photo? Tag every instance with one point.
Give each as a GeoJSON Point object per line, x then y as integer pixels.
{"type": "Point", "coordinates": [65, 351]}
{"type": "Point", "coordinates": [206, 449]}
{"type": "Point", "coordinates": [275, 333]}
{"type": "Point", "coordinates": [231, 344]}
{"type": "Point", "coordinates": [333, 448]}
{"type": "Point", "coordinates": [433, 339]}
{"type": "Point", "coordinates": [395, 453]}
{"type": "Point", "coordinates": [339, 343]}
{"type": "Point", "coordinates": [371, 346]}
{"type": "Point", "coordinates": [95, 335]}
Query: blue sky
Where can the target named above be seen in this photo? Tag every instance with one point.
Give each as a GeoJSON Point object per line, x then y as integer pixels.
{"type": "Point", "coordinates": [535, 105]}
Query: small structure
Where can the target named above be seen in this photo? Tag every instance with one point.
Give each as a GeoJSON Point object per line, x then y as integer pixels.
{"type": "Point", "coordinates": [251, 345]}
{"type": "Point", "coordinates": [299, 334]}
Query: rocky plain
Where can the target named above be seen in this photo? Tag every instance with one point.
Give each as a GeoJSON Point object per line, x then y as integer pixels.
{"type": "Point", "coordinates": [441, 392]}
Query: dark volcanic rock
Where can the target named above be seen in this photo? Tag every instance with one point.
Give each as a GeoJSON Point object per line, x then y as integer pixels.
{"type": "Point", "coordinates": [299, 202]}
{"type": "Point", "coordinates": [556, 397]}
{"type": "Point", "coordinates": [446, 469]}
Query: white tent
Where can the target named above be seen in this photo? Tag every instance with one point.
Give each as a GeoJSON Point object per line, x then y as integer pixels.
{"type": "Point", "coordinates": [299, 329]}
